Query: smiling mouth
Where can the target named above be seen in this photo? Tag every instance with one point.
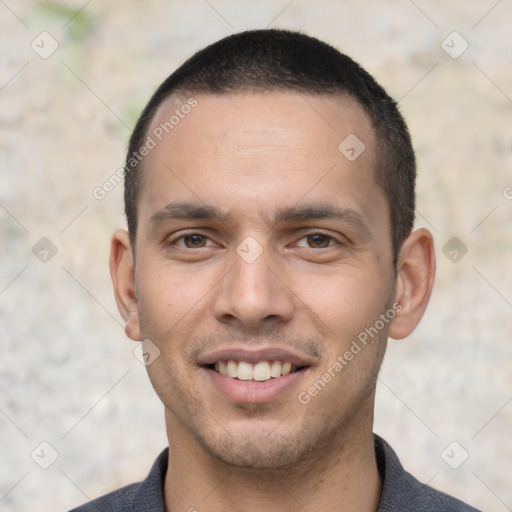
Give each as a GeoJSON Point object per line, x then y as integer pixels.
{"type": "Point", "coordinates": [258, 372]}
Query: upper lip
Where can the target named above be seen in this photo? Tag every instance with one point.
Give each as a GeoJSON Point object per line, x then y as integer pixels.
{"type": "Point", "coordinates": [254, 356]}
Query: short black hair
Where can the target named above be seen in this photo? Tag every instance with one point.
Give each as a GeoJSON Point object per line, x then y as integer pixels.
{"type": "Point", "coordinates": [281, 60]}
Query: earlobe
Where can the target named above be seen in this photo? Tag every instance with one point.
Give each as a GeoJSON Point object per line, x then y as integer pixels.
{"type": "Point", "coordinates": [122, 272]}
{"type": "Point", "coordinates": [415, 279]}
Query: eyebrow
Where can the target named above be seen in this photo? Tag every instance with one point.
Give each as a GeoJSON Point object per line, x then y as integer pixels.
{"type": "Point", "coordinates": [187, 211]}
{"type": "Point", "coordinates": [324, 211]}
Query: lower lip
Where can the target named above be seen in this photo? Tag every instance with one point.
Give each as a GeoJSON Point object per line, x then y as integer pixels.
{"type": "Point", "coordinates": [251, 392]}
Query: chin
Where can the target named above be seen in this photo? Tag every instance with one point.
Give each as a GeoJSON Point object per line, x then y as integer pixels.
{"type": "Point", "coordinates": [260, 451]}
{"type": "Point", "coordinates": [258, 459]}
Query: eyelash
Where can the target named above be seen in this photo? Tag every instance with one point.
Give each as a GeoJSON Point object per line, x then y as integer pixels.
{"type": "Point", "coordinates": [331, 238]}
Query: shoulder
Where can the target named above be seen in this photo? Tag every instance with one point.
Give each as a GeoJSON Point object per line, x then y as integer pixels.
{"type": "Point", "coordinates": [401, 491]}
{"type": "Point", "coordinates": [143, 496]}
{"type": "Point", "coordinates": [118, 501]}
{"type": "Point", "coordinates": [414, 495]}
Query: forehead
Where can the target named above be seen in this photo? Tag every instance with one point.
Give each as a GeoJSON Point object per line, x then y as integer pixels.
{"type": "Point", "coordinates": [259, 151]}
{"type": "Point", "coordinates": [245, 120]}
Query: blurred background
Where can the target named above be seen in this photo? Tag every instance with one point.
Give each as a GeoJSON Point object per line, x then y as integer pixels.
{"type": "Point", "coordinates": [78, 416]}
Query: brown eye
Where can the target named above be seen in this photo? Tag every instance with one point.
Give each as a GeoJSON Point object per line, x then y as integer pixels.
{"type": "Point", "coordinates": [194, 241]}
{"type": "Point", "coordinates": [318, 241]}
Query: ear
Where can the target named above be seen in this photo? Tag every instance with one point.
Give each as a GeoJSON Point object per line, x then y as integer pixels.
{"type": "Point", "coordinates": [415, 278]}
{"type": "Point", "coordinates": [122, 271]}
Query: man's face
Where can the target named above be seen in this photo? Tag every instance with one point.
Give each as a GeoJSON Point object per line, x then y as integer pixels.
{"type": "Point", "coordinates": [261, 244]}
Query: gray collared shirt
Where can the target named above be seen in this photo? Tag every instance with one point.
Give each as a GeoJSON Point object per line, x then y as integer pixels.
{"type": "Point", "coordinates": [401, 492]}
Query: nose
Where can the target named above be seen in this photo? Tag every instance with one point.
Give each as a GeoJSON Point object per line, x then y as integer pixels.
{"type": "Point", "coordinates": [252, 295]}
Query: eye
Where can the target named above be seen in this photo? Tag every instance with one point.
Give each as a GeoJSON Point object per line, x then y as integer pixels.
{"type": "Point", "coordinates": [192, 241]}
{"type": "Point", "coordinates": [318, 241]}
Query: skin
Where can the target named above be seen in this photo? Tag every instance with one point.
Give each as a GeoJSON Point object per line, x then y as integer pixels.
{"type": "Point", "coordinates": [250, 156]}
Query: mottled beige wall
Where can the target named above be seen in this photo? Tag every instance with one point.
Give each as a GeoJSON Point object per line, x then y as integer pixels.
{"type": "Point", "coordinates": [68, 374]}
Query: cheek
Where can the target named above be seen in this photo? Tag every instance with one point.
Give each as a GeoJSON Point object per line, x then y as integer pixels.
{"type": "Point", "coordinates": [344, 303]}
{"type": "Point", "coordinates": [167, 296]}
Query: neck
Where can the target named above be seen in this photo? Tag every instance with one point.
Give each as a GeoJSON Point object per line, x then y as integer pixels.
{"type": "Point", "coordinates": [343, 474]}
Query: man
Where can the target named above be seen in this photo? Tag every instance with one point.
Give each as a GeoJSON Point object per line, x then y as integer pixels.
{"type": "Point", "coordinates": [269, 193]}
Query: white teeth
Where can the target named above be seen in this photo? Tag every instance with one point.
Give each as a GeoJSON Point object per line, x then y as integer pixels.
{"type": "Point", "coordinates": [232, 369]}
{"type": "Point", "coordinates": [221, 368]}
{"type": "Point", "coordinates": [261, 371]}
{"type": "Point", "coordinates": [245, 371]}
{"type": "Point", "coordinates": [275, 369]}
{"type": "Point", "coordinates": [287, 368]}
